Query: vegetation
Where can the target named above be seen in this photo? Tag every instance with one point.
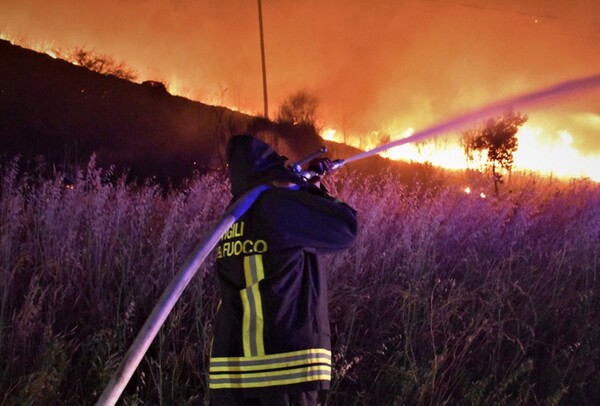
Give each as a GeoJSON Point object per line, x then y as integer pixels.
{"type": "Point", "coordinates": [496, 140]}
{"type": "Point", "coordinates": [446, 298]}
{"type": "Point", "coordinates": [299, 108]}
{"type": "Point", "coordinates": [97, 62]}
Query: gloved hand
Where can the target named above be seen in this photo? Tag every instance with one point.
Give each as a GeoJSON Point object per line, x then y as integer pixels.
{"type": "Point", "coordinates": [320, 165]}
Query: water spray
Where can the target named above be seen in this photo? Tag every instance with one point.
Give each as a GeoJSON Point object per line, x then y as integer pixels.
{"type": "Point", "coordinates": [172, 293]}
{"type": "Point", "coordinates": [529, 100]}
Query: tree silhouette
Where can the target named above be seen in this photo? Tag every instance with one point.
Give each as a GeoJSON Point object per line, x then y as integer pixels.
{"type": "Point", "coordinates": [299, 108]}
{"type": "Point", "coordinates": [495, 140]}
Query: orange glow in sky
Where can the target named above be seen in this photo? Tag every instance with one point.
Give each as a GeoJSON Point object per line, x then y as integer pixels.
{"type": "Point", "coordinates": [376, 67]}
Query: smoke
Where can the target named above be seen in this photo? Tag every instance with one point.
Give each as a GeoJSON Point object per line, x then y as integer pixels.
{"type": "Point", "coordinates": [374, 65]}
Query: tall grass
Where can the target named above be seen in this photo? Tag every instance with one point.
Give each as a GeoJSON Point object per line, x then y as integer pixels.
{"type": "Point", "coordinates": [81, 269]}
{"type": "Point", "coordinates": [446, 298]}
{"type": "Point", "coordinates": [453, 299]}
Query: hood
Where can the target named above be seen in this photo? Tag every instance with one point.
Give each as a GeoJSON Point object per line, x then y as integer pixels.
{"type": "Point", "coordinates": [251, 162]}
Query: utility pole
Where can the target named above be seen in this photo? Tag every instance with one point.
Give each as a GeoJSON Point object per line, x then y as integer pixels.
{"type": "Point", "coordinates": [262, 54]}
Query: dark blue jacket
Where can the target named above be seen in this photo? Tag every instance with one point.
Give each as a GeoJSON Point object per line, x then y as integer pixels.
{"type": "Point", "coordinates": [272, 328]}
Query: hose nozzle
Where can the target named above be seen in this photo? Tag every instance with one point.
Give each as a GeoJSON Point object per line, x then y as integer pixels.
{"type": "Point", "coordinates": [308, 174]}
{"type": "Point", "coordinates": [297, 166]}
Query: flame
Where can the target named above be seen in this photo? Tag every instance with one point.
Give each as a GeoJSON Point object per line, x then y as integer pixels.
{"type": "Point", "coordinates": [445, 155]}
{"type": "Point", "coordinates": [554, 156]}
{"type": "Point", "coordinates": [44, 47]}
{"type": "Point", "coordinates": [329, 134]}
{"type": "Point", "coordinates": [176, 87]}
{"type": "Point", "coordinates": [538, 151]}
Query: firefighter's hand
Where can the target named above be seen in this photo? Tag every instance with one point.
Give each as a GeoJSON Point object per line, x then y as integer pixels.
{"type": "Point", "coordinates": [321, 165]}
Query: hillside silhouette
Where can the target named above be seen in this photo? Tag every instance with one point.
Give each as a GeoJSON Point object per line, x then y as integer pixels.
{"type": "Point", "coordinates": [59, 113]}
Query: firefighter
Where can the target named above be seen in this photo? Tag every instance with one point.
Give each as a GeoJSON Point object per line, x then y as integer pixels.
{"type": "Point", "coordinates": [272, 342]}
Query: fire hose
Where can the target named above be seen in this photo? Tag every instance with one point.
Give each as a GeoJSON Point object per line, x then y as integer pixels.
{"type": "Point", "coordinates": [174, 290]}
{"type": "Point", "coordinates": [170, 296]}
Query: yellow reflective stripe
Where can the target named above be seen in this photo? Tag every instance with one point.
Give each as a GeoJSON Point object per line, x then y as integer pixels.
{"type": "Point", "coordinates": [246, 321]}
{"type": "Point", "coordinates": [253, 269]}
{"type": "Point", "coordinates": [272, 369]}
{"type": "Point", "coordinates": [279, 361]}
{"type": "Point", "coordinates": [248, 272]}
{"type": "Point", "coordinates": [279, 365]}
{"type": "Point", "coordinates": [274, 357]}
{"type": "Point", "coordinates": [259, 333]}
{"type": "Point", "coordinates": [252, 319]}
{"type": "Point", "coordinates": [273, 378]}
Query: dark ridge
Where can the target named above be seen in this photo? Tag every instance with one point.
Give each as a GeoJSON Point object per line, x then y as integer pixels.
{"type": "Point", "coordinates": [54, 111]}
{"type": "Point", "coordinates": [58, 113]}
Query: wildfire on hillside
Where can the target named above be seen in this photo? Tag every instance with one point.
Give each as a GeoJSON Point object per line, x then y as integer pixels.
{"type": "Point", "coordinates": [546, 151]}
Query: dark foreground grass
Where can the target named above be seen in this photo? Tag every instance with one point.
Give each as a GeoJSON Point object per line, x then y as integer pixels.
{"type": "Point", "coordinates": [446, 298]}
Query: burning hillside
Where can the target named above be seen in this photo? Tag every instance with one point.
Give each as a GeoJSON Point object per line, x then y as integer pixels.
{"type": "Point", "coordinates": [378, 69]}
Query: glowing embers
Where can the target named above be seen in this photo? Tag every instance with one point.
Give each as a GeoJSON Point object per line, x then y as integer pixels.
{"type": "Point", "coordinates": [468, 191]}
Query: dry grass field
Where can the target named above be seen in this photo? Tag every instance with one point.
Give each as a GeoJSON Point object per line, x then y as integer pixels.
{"type": "Point", "coordinates": [446, 298]}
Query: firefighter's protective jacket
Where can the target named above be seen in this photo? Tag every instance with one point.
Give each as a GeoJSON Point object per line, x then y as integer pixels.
{"type": "Point", "coordinates": [272, 326]}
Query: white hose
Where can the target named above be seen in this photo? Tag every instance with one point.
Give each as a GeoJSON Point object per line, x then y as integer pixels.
{"type": "Point", "coordinates": [165, 304]}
